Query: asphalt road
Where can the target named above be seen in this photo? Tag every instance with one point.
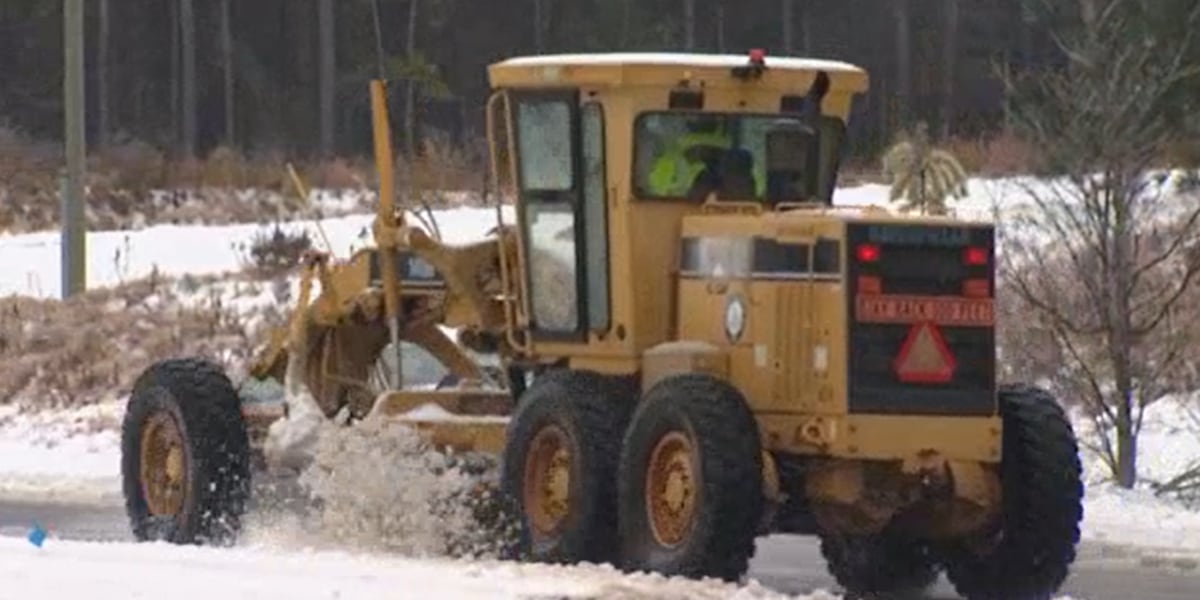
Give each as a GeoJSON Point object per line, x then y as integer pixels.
{"type": "Point", "coordinates": [787, 563]}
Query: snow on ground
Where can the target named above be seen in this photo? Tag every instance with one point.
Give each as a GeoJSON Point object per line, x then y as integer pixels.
{"type": "Point", "coordinates": [113, 570]}
{"type": "Point", "coordinates": [69, 457]}
{"type": "Point", "coordinates": [275, 558]}
{"type": "Point", "coordinates": [1168, 444]}
{"type": "Point", "coordinates": [1138, 518]}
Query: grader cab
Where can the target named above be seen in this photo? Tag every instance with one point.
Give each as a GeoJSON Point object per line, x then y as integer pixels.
{"type": "Point", "coordinates": [692, 345]}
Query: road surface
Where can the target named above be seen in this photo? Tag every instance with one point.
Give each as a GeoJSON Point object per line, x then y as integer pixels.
{"type": "Point", "coordinates": [787, 563]}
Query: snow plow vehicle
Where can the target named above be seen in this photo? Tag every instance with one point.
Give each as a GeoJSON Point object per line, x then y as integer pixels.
{"type": "Point", "coordinates": [694, 346]}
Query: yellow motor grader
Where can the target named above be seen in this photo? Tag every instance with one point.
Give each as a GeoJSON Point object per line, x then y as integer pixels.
{"type": "Point", "coordinates": [696, 347]}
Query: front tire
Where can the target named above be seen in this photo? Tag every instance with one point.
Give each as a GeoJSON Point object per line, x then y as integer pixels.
{"type": "Point", "coordinates": [185, 455]}
{"type": "Point", "coordinates": [1030, 552]}
{"type": "Point", "coordinates": [690, 481]}
{"type": "Point", "coordinates": [559, 466]}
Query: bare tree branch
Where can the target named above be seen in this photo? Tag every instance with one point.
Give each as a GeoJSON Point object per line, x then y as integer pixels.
{"type": "Point", "coordinates": [1166, 305]}
{"type": "Point", "coordinates": [1105, 261]}
{"type": "Point", "coordinates": [1091, 379]}
{"type": "Point", "coordinates": [1187, 480]}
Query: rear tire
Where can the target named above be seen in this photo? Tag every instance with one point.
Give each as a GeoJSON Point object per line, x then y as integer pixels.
{"type": "Point", "coordinates": [183, 424]}
{"type": "Point", "coordinates": [695, 438]}
{"type": "Point", "coordinates": [1029, 553]}
{"type": "Point", "coordinates": [567, 426]}
{"type": "Point", "coordinates": [880, 565]}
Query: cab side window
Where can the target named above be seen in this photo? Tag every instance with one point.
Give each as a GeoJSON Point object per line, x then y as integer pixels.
{"type": "Point", "coordinates": [547, 183]}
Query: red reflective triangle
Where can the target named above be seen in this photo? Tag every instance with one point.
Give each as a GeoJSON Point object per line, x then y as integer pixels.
{"type": "Point", "coordinates": [924, 357]}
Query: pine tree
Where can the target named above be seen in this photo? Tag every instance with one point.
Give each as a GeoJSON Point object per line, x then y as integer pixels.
{"type": "Point", "coordinates": [923, 177]}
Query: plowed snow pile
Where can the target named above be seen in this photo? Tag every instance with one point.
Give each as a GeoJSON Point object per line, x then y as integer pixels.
{"type": "Point", "coordinates": [373, 486]}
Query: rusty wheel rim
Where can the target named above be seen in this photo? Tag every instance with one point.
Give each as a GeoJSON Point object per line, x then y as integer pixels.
{"type": "Point", "coordinates": [547, 481]}
{"type": "Point", "coordinates": [162, 465]}
{"type": "Point", "coordinates": [671, 488]}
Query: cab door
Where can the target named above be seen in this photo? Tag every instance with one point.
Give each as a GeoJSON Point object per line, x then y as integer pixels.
{"type": "Point", "coordinates": [561, 212]}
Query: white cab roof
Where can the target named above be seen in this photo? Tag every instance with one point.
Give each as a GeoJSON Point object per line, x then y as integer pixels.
{"type": "Point", "coordinates": [679, 59]}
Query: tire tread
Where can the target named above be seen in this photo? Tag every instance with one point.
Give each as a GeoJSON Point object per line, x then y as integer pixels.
{"type": "Point", "coordinates": [1042, 507]}
{"type": "Point", "coordinates": [218, 441]}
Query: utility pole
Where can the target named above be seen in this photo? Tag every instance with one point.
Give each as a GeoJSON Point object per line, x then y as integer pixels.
{"type": "Point", "coordinates": [74, 253]}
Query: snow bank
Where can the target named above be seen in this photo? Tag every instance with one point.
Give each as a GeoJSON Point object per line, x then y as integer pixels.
{"type": "Point", "coordinates": [1169, 442]}
{"type": "Point", "coordinates": [69, 457]}
{"type": "Point", "coordinates": [1168, 445]}
{"type": "Point", "coordinates": [31, 261]}
{"type": "Point", "coordinates": [982, 196]}
{"type": "Point", "coordinates": [1009, 198]}
{"type": "Point", "coordinates": [1117, 516]}
{"type": "Point", "coordinates": [115, 570]}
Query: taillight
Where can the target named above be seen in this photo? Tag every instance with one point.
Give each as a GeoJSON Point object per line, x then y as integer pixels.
{"type": "Point", "coordinates": [869, 284]}
{"type": "Point", "coordinates": [867, 253]}
{"type": "Point", "coordinates": [975, 256]}
{"type": "Point", "coordinates": [976, 288]}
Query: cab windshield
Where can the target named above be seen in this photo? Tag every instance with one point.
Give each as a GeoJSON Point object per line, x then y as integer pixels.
{"type": "Point", "coordinates": [735, 156]}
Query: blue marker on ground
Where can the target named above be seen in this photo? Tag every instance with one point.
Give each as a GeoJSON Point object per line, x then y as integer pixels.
{"type": "Point", "coordinates": [37, 536]}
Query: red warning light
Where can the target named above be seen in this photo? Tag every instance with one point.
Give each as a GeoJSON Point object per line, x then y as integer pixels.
{"type": "Point", "coordinates": [757, 56]}
{"type": "Point", "coordinates": [975, 256]}
{"type": "Point", "coordinates": [867, 252]}
{"type": "Point", "coordinates": [924, 357]}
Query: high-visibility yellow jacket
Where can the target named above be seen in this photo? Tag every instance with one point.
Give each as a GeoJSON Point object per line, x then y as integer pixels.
{"type": "Point", "coordinates": [672, 174]}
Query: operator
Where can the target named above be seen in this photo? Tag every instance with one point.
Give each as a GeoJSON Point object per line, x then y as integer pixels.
{"type": "Point", "coordinates": [675, 168]}
{"type": "Point", "coordinates": [678, 166]}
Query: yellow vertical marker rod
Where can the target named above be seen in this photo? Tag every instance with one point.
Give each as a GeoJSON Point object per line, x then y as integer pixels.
{"type": "Point", "coordinates": [383, 154]}
{"type": "Point", "coordinates": [387, 221]}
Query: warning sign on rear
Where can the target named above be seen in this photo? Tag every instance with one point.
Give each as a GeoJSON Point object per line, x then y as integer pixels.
{"type": "Point", "coordinates": [945, 311]}
{"type": "Point", "coordinates": [924, 357]}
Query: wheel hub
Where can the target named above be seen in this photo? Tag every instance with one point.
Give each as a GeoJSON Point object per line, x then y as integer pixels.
{"type": "Point", "coordinates": [162, 465]}
{"type": "Point", "coordinates": [671, 488]}
{"type": "Point", "coordinates": [547, 481]}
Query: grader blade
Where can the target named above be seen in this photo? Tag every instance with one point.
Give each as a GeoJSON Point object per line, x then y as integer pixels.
{"type": "Point", "coordinates": [460, 420]}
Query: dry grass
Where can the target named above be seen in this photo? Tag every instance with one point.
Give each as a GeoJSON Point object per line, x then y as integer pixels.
{"type": "Point", "coordinates": [993, 156]}
{"type": "Point", "coordinates": [440, 165]}
{"type": "Point", "coordinates": [60, 354]}
{"type": "Point", "coordinates": [133, 184]}
{"type": "Point", "coordinates": [998, 155]}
